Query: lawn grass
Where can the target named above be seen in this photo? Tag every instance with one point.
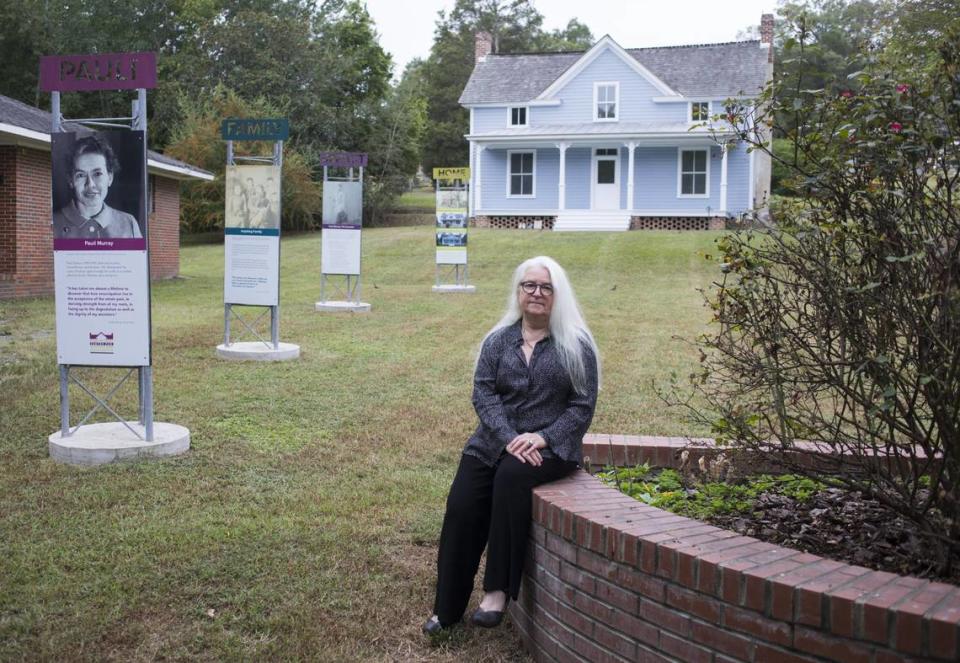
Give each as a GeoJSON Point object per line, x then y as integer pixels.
{"type": "Point", "coordinates": [303, 523]}
{"type": "Point", "coordinates": [417, 199]}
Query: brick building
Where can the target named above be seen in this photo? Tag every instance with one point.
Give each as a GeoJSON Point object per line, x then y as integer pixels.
{"type": "Point", "coordinates": [26, 239]}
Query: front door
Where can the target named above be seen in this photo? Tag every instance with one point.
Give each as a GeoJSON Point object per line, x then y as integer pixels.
{"type": "Point", "coordinates": [606, 179]}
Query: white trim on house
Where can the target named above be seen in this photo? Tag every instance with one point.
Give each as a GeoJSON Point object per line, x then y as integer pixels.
{"type": "Point", "coordinates": [605, 43]}
{"type": "Point", "coordinates": [690, 111]}
{"type": "Point", "coordinates": [472, 130]}
{"type": "Point", "coordinates": [533, 173]}
{"type": "Point", "coordinates": [685, 100]}
{"type": "Point", "coordinates": [501, 104]}
{"type": "Point", "coordinates": [510, 109]}
{"type": "Point", "coordinates": [594, 158]}
{"type": "Point", "coordinates": [616, 101]}
{"type": "Point", "coordinates": [680, 194]}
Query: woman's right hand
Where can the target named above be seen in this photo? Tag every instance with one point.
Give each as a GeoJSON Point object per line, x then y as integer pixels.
{"type": "Point", "coordinates": [525, 447]}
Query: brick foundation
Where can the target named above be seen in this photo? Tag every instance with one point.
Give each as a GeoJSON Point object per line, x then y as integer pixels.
{"type": "Point", "coordinates": [515, 222]}
{"type": "Point", "coordinates": [612, 579]}
{"type": "Point", "coordinates": [677, 223]}
{"type": "Point", "coordinates": [26, 240]}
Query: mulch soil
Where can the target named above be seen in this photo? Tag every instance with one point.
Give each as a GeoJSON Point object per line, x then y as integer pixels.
{"type": "Point", "coordinates": [847, 527]}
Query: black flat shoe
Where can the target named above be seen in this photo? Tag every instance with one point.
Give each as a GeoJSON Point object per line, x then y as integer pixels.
{"type": "Point", "coordinates": [432, 626]}
{"type": "Point", "coordinates": [487, 618]}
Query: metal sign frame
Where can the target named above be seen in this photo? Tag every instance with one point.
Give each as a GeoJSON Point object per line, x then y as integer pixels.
{"type": "Point", "coordinates": [136, 122]}
{"type": "Point", "coordinates": [459, 273]}
{"type": "Point", "coordinates": [276, 159]}
{"type": "Point", "coordinates": [351, 289]}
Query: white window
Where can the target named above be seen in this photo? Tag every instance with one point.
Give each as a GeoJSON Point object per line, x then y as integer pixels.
{"type": "Point", "coordinates": [694, 181]}
{"type": "Point", "coordinates": [699, 111]}
{"type": "Point", "coordinates": [518, 116]}
{"type": "Point", "coordinates": [521, 169]}
{"type": "Point", "coordinates": [606, 98]}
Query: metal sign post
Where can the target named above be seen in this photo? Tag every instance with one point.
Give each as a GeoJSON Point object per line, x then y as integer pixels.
{"type": "Point", "coordinates": [101, 259]}
{"type": "Point", "coordinates": [252, 240]}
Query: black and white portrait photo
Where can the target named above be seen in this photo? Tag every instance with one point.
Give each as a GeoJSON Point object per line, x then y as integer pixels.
{"type": "Point", "coordinates": [253, 197]}
{"type": "Point", "coordinates": [98, 185]}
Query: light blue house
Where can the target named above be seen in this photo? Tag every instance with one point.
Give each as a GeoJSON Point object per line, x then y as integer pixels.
{"type": "Point", "coordinates": [604, 140]}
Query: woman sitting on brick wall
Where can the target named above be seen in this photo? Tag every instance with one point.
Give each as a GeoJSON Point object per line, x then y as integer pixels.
{"type": "Point", "coordinates": [534, 391]}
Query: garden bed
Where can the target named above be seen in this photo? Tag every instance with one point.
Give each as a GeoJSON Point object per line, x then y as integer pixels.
{"type": "Point", "coordinates": [611, 578]}
{"type": "Point", "coordinates": [796, 512]}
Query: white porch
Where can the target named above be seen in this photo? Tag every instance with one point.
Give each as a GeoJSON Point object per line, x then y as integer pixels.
{"type": "Point", "coordinates": [609, 200]}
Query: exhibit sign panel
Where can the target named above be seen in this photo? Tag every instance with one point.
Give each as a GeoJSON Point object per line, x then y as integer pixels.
{"type": "Point", "coordinates": [451, 230]}
{"type": "Point", "coordinates": [342, 215]}
{"type": "Point", "coordinates": [251, 244]}
{"type": "Point", "coordinates": [100, 261]}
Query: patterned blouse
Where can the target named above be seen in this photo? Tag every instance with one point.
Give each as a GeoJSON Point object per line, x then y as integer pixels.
{"type": "Point", "coordinates": [512, 397]}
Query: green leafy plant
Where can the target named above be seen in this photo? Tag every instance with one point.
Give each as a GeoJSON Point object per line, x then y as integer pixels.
{"type": "Point", "coordinates": [690, 496]}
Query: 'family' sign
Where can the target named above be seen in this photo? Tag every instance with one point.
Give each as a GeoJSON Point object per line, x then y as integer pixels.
{"type": "Point", "coordinates": [255, 129]}
{"type": "Point", "coordinates": [100, 71]}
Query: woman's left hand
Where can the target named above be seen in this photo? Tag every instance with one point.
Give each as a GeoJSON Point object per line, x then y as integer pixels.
{"type": "Point", "coordinates": [525, 447]}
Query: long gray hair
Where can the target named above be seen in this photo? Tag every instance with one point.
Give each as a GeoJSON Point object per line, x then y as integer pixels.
{"type": "Point", "coordinates": [567, 326]}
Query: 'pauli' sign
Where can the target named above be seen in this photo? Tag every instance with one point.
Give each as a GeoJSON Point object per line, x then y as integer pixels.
{"type": "Point", "coordinates": [100, 71]}
{"type": "Point", "coordinates": [255, 129]}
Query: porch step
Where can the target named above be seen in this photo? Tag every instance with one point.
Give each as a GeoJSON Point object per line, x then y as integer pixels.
{"type": "Point", "coordinates": [592, 221]}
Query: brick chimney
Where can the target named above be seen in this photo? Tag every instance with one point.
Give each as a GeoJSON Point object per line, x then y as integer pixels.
{"type": "Point", "coordinates": [483, 46]}
{"type": "Point", "coordinates": [766, 34]}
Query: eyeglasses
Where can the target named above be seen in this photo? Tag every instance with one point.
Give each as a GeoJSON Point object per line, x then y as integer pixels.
{"type": "Point", "coordinates": [531, 287]}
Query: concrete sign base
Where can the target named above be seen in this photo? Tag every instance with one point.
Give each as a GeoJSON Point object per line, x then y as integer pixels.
{"type": "Point", "coordinates": [98, 444]}
{"type": "Point", "coordinates": [258, 351]}
{"type": "Point", "coordinates": [348, 307]}
{"type": "Point", "coordinates": [455, 288]}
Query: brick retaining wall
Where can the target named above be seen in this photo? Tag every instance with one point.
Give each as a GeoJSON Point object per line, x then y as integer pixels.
{"type": "Point", "coordinates": [612, 579]}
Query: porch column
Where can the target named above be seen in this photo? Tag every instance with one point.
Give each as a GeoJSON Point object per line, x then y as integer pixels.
{"type": "Point", "coordinates": [631, 146]}
{"type": "Point", "coordinates": [562, 185]}
{"type": "Point", "coordinates": [478, 180]}
{"type": "Point", "coordinates": [723, 179]}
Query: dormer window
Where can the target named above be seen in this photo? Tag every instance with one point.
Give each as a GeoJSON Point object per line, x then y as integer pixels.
{"type": "Point", "coordinates": [699, 111]}
{"type": "Point", "coordinates": [606, 98]}
{"type": "Point", "coordinates": [518, 116]}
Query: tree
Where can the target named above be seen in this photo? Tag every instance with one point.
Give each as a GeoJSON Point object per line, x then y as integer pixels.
{"type": "Point", "coordinates": [398, 134]}
{"type": "Point", "coordinates": [197, 140]}
{"type": "Point", "coordinates": [516, 27]}
{"type": "Point", "coordinates": [836, 339]}
{"type": "Point", "coordinates": [575, 37]}
{"type": "Point", "coordinates": [820, 42]}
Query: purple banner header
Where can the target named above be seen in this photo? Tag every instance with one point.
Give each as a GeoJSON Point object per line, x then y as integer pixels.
{"type": "Point", "coordinates": [343, 159]}
{"type": "Point", "coordinates": [116, 244]}
{"type": "Point", "coordinates": [100, 71]}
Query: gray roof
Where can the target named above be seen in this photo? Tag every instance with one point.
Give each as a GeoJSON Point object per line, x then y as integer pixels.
{"type": "Point", "coordinates": [24, 116]}
{"type": "Point", "coordinates": [702, 70]}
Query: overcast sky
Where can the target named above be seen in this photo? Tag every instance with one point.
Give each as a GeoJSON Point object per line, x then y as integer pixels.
{"type": "Point", "coordinates": [406, 27]}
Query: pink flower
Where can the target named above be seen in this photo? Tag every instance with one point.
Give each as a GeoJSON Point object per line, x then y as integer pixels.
{"type": "Point", "coordinates": [902, 87]}
{"type": "Point", "coordinates": [846, 94]}
{"type": "Point", "coordinates": [895, 127]}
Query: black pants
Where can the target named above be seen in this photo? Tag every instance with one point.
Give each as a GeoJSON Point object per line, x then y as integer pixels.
{"type": "Point", "coordinates": [487, 504]}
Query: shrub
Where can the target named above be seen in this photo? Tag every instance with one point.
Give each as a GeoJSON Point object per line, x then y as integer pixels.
{"type": "Point", "coordinates": [840, 325]}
